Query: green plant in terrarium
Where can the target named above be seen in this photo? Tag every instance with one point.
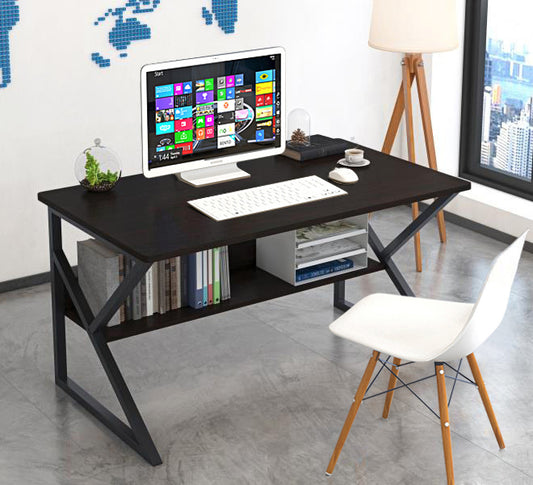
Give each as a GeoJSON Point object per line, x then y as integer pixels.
{"type": "Point", "coordinates": [93, 173]}
{"type": "Point", "coordinates": [97, 168]}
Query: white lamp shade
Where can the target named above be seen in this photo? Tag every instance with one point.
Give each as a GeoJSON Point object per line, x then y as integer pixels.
{"type": "Point", "coordinates": [414, 26]}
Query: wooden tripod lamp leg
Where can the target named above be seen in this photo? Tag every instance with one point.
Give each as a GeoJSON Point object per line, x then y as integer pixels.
{"type": "Point", "coordinates": [407, 70]}
{"type": "Point", "coordinates": [428, 131]}
{"type": "Point", "coordinates": [485, 398]}
{"type": "Point", "coordinates": [445, 422]}
{"type": "Point", "coordinates": [359, 395]}
{"type": "Point", "coordinates": [395, 120]}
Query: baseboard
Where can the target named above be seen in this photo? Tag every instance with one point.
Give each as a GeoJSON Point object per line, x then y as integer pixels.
{"type": "Point", "coordinates": [27, 281]}
{"type": "Point", "coordinates": [481, 228]}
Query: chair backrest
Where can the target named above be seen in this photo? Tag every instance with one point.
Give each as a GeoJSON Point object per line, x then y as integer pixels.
{"type": "Point", "coordinates": [490, 307]}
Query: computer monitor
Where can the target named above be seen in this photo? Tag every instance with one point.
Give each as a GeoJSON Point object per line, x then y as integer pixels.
{"type": "Point", "coordinates": [202, 116]}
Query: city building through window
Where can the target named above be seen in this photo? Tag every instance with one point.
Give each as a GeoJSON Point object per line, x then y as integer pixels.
{"type": "Point", "coordinates": [497, 111]}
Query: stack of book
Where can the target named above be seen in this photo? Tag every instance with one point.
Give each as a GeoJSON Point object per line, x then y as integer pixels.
{"type": "Point", "coordinates": [198, 280]}
{"type": "Point", "coordinates": [163, 288]}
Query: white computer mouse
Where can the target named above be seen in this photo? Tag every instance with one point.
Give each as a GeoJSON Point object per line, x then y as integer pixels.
{"type": "Point", "coordinates": [343, 175]}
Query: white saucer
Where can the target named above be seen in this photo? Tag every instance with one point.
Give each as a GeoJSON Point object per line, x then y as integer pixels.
{"type": "Point", "coordinates": [364, 163]}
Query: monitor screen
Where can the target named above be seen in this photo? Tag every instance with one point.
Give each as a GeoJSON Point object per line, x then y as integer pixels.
{"type": "Point", "coordinates": [212, 108]}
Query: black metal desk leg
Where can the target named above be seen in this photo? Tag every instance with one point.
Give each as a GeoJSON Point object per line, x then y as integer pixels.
{"type": "Point", "coordinates": [390, 267]}
{"type": "Point", "coordinates": [136, 435]}
{"type": "Point", "coordinates": [58, 301]}
{"type": "Point", "coordinates": [339, 296]}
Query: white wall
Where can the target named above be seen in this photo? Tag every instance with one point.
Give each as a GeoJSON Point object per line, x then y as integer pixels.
{"type": "Point", "coordinates": [59, 101]}
{"type": "Point", "coordinates": [485, 205]}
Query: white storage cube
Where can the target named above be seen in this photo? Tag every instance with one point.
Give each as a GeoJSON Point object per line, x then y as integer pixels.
{"type": "Point", "coordinates": [285, 254]}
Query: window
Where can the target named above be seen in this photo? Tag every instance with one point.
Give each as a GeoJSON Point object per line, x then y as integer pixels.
{"type": "Point", "coordinates": [497, 107]}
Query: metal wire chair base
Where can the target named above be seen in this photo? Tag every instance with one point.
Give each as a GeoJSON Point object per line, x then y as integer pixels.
{"type": "Point", "coordinates": [385, 365]}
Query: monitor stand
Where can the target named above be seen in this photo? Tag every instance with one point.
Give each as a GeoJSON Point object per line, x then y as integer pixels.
{"type": "Point", "coordinates": [212, 175]}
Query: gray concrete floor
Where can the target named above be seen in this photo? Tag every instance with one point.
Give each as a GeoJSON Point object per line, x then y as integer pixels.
{"type": "Point", "coordinates": [259, 395]}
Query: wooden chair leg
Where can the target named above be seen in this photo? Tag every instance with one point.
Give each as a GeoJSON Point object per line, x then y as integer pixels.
{"type": "Point", "coordinates": [445, 422]}
{"type": "Point", "coordinates": [392, 383]}
{"type": "Point", "coordinates": [361, 390]}
{"type": "Point", "coordinates": [485, 398]}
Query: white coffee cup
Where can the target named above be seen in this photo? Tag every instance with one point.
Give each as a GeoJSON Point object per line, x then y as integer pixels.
{"type": "Point", "coordinates": [354, 156]}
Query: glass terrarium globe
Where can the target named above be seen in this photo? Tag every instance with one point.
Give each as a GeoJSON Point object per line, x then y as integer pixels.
{"type": "Point", "coordinates": [97, 168]}
{"type": "Point", "coordinates": [299, 128]}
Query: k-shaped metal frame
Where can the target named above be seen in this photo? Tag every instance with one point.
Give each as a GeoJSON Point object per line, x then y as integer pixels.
{"type": "Point", "coordinates": [384, 254]}
{"type": "Point", "coordinates": [64, 282]}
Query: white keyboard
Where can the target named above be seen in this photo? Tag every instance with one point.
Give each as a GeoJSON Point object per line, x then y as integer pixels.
{"type": "Point", "coordinates": [266, 198]}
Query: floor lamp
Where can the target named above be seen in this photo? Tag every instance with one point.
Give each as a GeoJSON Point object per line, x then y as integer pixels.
{"type": "Point", "coordinates": [414, 27]}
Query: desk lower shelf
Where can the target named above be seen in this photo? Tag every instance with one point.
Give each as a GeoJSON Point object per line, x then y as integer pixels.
{"type": "Point", "coordinates": [248, 286]}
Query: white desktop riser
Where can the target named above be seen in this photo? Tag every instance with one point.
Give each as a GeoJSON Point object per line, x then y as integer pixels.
{"type": "Point", "coordinates": [277, 254]}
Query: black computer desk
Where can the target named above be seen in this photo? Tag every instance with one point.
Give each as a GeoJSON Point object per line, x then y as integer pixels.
{"type": "Point", "coordinates": [150, 220]}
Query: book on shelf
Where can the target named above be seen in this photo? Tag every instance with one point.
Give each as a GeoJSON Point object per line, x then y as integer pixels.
{"type": "Point", "coordinates": [161, 286]}
{"type": "Point", "coordinates": [323, 269]}
{"type": "Point", "coordinates": [167, 285]}
{"type": "Point", "coordinates": [173, 285]}
{"type": "Point", "coordinates": [143, 296]}
{"type": "Point", "coordinates": [177, 280]}
{"type": "Point", "coordinates": [98, 274]}
{"type": "Point", "coordinates": [321, 146]}
{"type": "Point", "coordinates": [155, 287]}
{"type": "Point", "coordinates": [184, 276]}
{"type": "Point", "coordinates": [149, 285]}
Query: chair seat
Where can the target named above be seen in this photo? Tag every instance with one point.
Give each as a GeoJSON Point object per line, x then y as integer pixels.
{"type": "Point", "coordinates": [415, 329]}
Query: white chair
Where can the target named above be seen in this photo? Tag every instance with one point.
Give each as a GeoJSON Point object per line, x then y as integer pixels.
{"type": "Point", "coordinates": [423, 330]}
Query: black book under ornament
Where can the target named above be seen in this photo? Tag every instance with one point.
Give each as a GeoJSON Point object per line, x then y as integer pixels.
{"type": "Point", "coordinates": [321, 146]}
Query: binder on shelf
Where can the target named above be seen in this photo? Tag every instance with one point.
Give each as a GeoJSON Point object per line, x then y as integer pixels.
{"type": "Point", "coordinates": [216, 275]}
{"type": "Point", "coordinates": [225, 291]}
{"type": "Point", "coordinates": [210, 277]}
{"type": "Point", "coordinates": [204, 277]}
{"type": "Point", "coordinates": [195, 285]}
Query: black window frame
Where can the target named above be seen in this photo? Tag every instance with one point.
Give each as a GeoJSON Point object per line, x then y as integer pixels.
{"type": "Point", "coordinates": [475, 40]}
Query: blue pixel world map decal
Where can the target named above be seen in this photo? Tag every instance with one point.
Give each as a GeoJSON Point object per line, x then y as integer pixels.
{"type": "Point", "coordinates": [127, 28]}
{"type": "Point", "coordinates": [9, 17]}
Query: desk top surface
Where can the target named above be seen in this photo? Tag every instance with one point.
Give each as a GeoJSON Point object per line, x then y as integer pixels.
{"type": "Point", "coordinates": [151, 220]}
